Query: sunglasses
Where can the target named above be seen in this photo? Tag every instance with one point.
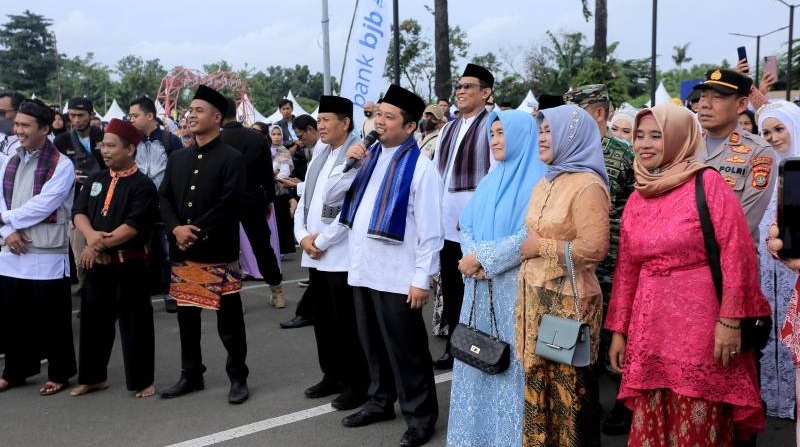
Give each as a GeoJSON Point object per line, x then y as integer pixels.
{"type": "Point", "coordinates": [466, 86]}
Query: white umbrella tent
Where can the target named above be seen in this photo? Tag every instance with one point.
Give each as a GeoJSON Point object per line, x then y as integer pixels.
{"type": "Point", "coordinates": [114, 111]}
{"type": "Point", "coordinates": [529, 103]}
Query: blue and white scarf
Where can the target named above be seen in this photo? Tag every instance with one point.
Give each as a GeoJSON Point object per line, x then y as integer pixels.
{"type": "Point", "coordinates": [388, 221]}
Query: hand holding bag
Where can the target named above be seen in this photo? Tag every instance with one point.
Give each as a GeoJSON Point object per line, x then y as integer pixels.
{"type": "Point", "coordinates": [478, 349]}
{"type": "Point", "coordinates": [561, 339]}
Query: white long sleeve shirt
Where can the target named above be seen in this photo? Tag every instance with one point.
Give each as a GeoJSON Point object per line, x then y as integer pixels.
{"type": "Point", "coordinates": [332, 237]}
{"type": "Point", "coordinates": [54, 192]}
{"type": "Point", "coordinates": [381, 265]}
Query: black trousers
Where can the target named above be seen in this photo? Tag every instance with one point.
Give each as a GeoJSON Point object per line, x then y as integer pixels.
{"type": "Point", "coordinates": [158, 265]}
{"type": "Point", "coordinates": [257, 230]}
{"type": "Point", "coordinates": [305, 307]}
{"type": "Point", "coordinates": [452, 285]}
{"type": "Point", "coordinates": [36, 323]}
{"type": "Point", "coordinates": [395, 340]}
{"type": "Point", "coordinates": [340, 354]}
{"type": "Point", "coordinates": [230, 326]}
{"type": "Point", "coordinates": [117, 293]}
{"type": "Point", "coordinates": [285, 223]}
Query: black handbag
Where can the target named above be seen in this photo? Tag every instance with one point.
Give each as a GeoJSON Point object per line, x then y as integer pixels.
{"type": "Point", "coordinates": [478, 349]}
{"type": "Point", "coordinates": [755, 330]}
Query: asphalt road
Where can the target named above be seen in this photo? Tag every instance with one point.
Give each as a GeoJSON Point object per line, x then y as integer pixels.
{"type": "Point", "coordinates": [282, 364]}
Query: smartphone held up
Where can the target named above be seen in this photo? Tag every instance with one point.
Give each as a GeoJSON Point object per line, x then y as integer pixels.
{"type": "Point", "coordinates": [789, 208]}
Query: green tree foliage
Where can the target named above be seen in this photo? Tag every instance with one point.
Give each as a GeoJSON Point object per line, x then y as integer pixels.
{"type": "Point", "coordinates": [138, 77]}
{"type": "Point", "coordinates": [417, 64]}
{"type": "Point", "coordinates": [81, 76]}
{"type": "Point", "coordinates": [28, 52]}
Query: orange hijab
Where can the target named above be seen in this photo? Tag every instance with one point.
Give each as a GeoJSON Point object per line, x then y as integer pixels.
{"type": "Point", "coordinates": [682, 144]}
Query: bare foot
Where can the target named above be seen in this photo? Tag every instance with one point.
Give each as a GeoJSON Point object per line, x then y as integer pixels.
{"type": "Point", "coordinates": [49, 388]}
{"type": "Point", "coordinates": [147, 392]}
{"type": "Point", "coordinates": [80, 390]}
{"type": "Point", "coordinates": [4, 385]}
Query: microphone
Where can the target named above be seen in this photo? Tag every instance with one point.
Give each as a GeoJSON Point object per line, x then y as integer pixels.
{"type": "Point", "coordinates": [369, 140]}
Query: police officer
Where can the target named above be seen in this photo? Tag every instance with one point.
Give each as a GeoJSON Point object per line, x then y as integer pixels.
{"type": "Point", "coordinates": [618, 159]}
{"type": "Point", "coordinates": [746, 161]}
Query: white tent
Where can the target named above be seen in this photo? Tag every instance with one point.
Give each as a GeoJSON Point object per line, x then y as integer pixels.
{"type": "Point", "coordinates": [529, 103]}
{"type": "Point", "coordinates": [315, 113]}
{"type": "Point", "coordinates": [662, 95]}
{"type": "Point", "coordinates": [297, 111]}
{"type": "Point", "coordinates": [113, 112]}
{"type": "Point", "coordinates": [246, 110]}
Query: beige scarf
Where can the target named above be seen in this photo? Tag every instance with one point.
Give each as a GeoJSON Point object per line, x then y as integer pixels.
{"type": "Point", "coordinates": [682, 144]}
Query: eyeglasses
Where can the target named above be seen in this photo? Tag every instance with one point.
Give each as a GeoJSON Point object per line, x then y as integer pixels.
{"type": "Point", "coordinates": [299, 134]}
{"type": "Point", "coordinates": [466, 86]}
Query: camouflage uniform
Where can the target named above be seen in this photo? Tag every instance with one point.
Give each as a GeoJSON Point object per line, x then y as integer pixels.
{"type": "Point", "coordinates": [618, 157]}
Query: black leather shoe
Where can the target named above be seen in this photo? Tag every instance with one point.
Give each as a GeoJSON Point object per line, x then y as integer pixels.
{"type": "Point", "coordinates": [296, 322]}
{"type": "Point", "coordinates": [363, 418]}
{"type": "Point", "coordinates": [238, 393]}
{"type": "Point", "coordinates": [444, 362]}
{"type": "Point", "coordinates": [171, 306]}
{"type": "Point", "coordinates": [618, 421]}
{"type": "Point", "coordinates": [413, 438]}
{"type": "Point", "coordinates": [349, 400]}
{"type": "Point", "coordinates": [326, 387]}
{"type": "Point", "coordinates": [185, 385]}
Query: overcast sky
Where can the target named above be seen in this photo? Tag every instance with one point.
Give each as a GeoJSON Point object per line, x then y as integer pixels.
{"type": "Point", "coordinates": [256, 34]}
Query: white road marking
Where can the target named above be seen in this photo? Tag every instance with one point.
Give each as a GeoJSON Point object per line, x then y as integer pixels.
{"type": "Point", "coordinates": [266, 424]}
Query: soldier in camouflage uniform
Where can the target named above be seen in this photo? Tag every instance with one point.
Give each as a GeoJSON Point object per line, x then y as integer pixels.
{"type": "Point", "coordinates": [746, 161]}
{"type": "Point", "coordinates": [618, 156]}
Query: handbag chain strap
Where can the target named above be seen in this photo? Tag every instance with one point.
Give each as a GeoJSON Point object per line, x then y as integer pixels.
{"type": "Point", "coordinates": [492, 316]}
{"type": "Point", "coordinates": [568, 260]}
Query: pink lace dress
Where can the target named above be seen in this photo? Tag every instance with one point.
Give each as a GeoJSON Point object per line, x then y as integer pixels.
{"type": "Point", "coordinates": [663, 299]}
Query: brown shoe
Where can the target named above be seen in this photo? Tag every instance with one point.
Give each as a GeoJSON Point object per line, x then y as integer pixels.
{"type": "Point", "coordinates": [277, 300]}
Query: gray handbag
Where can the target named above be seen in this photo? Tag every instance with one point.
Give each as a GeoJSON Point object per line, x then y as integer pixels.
{"type": "Point", "coordinates": [561, 339]}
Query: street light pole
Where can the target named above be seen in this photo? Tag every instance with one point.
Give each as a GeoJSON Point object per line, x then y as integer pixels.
{"type": "Point", "coordinates": [653, 57]}
{"type": "Point", "coordinates": [758, 46]}
{"type": "Point", "coordinates": [396, 43]}
{"type": "Point", "coordinates": [789, 51]}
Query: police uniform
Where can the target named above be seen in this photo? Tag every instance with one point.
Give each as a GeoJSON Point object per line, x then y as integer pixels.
{"type": "Point", "coordinates": [746, 161]}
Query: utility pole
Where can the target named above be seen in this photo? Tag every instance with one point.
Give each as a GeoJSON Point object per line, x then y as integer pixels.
{"type": "Point", "coordinates": [326, 50]}
{"type": "Point", "coordinates": [653, 56]}
{"type": "Point", "coordinates": [396, 43]}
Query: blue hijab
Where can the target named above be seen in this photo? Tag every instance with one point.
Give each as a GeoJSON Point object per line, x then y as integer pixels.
{"type": "Point", "coordinates": [498, 206]}
{"type": "Point", "coordinates": [576, 142]}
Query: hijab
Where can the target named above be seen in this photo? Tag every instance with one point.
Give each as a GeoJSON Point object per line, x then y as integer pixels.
{"type": "Point", "coordinates": [789, 115]}
{"type": "Point", "coordinates": [576, 142]}
{"type": "Point", "coordinates": [497, 208]}
{"type": "Point", "coordinates": [625, 112]}
{"type": "Point", "coordinates": [681, 144]}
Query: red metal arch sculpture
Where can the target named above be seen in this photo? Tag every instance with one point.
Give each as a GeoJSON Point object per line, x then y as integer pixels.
{"type": "Point", "coordinates": [180, 78]}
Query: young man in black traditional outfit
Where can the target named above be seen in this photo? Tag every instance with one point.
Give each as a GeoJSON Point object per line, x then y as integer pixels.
{"type": "Point", "coordinates": [200, 200]}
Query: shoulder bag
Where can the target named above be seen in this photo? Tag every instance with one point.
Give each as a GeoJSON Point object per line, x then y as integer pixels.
{"type": "Point", "coordinates": [478, 349]}
{"type": "Point", "coordinates": [564, 340]}
{"type": "Point", "coordinates": [755, 330]}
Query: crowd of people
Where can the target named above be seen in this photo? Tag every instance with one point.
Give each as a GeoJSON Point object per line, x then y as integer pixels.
{"type": "Point", "coordinates": [505, 220]}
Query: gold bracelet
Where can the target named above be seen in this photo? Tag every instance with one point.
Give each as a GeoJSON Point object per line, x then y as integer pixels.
{"type": "Point", "coordinates": [729, 326]}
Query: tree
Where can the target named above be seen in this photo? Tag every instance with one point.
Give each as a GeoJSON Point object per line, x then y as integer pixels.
{"type": "Point", "coordinates": [416, 61]}
{"type": "Point", "coordinates": [415, 57]}
{"type": "Point", "coordinates": [138, 77]}
{"type": "Point", "coordinates": [443, 85]}
{"type": "Point", "coordinates": [600, 48]}
{"type": "Point", "coordinates": [29, 55]}
{"type": "Point", "coordinates": [569, 54]}
{"type": "Point", "coordinates": [679, 55]}
{"type": "Point", "coordinates": [82, 76]}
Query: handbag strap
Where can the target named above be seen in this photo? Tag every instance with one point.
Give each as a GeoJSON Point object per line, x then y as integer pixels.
{"type": "Point", "coordinates": [492, 316]}
{"type": "Point", "coordinates": [709, 238]}
{"type": "Point", "coordinates": [570, 263]}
